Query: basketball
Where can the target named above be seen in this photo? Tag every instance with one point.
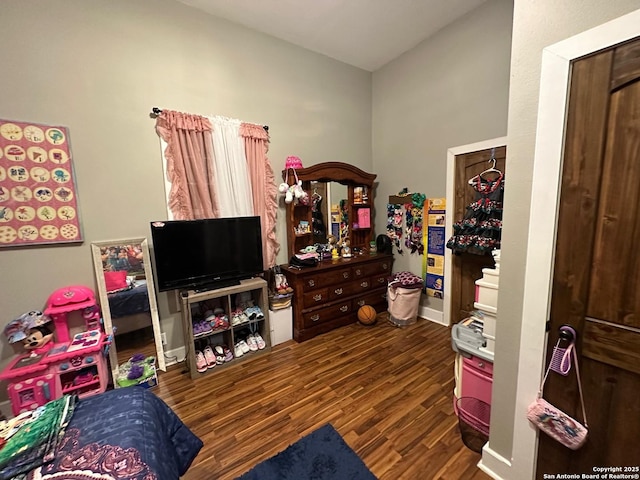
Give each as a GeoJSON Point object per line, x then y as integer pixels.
{"type": "Point", "coordinates": [367, 315]}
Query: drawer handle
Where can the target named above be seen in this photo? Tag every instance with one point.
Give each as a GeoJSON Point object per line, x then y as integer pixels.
{"type": "Point", "coordinates": [381, 280]}
{"type": "Point", "coordinates": [315, 317]}
{"type": "Point", "coordinates": [360, 303]}
{"type": "Point", "coordinates": [312, 283]}
{"type": "Point", "coordinates": [364, 284]}
{"type": "Point", "coordinates": [317, 298]}
{"type": "Point", "coordinates": [358, 272]}
{"type": "Point", "coordinates": [480, 364]}
{"type": "Point", "coordinates": [344, 308]}
{"type": "Point", "coordinates": [345, 274]}
{"type": "Point", "coordinates": [338, 291]}
{"type": "Point", "coordinates": [384, 266]}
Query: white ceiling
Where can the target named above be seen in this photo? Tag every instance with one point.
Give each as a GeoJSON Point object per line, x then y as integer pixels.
{"type": "Point", "coordinates": [364, 33]}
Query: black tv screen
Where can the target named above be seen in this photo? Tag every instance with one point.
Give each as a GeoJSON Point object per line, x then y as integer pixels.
{"type": "Point", "coordinates": [203, 254]}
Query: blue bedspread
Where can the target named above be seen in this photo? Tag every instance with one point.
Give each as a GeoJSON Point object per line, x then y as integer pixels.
{"type": "Point", "coordinates": [131, 301]}
{"type": "Point", "coordinates": [127, 433]}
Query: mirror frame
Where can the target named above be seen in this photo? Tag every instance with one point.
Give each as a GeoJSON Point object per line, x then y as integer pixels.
{"type": "Point", "coordinates": [104, 301]}
{"type": "Point", "coordinates": [339, 172]}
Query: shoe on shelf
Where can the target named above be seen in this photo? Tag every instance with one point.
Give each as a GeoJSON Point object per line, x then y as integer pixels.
{"type": "Point", "coordinates": [252, 342]}
{"type": "Point", "coordinates": [243, 346]}
{"type": "Point", "coordinates": [209, 357]}
{"type": "Point", "coordinates": [221, 322]}
{"type": "Point", "coordinates": [254, 313]}
{"type": "Point", "coordinates": [238, 317]}
{"type": "Point", "coordinates": [228, 356]}
{"type": "Point", "coordinates": [260, 341]}
{"type": "Point", "coordinates": [219, 354]}
{"type": "Point", "coordinates": [237, 350]}
{"type": "Point", "coordinates": [201, 362]}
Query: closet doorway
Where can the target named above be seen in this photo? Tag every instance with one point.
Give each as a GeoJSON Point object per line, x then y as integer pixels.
{"type": "Point", "coordinates": [461, 271]}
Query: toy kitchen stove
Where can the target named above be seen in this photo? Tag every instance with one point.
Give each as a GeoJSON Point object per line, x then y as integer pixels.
{"type": "Point", "coordinates": [76, 362]}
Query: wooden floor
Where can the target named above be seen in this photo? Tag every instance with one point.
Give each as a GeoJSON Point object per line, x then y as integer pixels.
{"type": "Point", "coordinates": [386, 390]}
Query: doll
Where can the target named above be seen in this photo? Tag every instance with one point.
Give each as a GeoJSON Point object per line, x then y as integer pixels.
{"type": "Point", "coordinates": [38, 340]}
{"type": "Point", "coordinates": [31, 329]}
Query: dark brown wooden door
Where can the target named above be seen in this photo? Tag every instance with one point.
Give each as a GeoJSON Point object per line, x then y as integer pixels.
{"type": "Point", "coordinates": [596, 284]}
{"type": "Point", "coordinates": [467, 267]}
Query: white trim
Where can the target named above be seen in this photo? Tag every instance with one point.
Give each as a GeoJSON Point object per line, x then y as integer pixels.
{"type": "Point", "coordinates": [554, 87]}
{"type": "Point", "coordinates": [450, 193]}
{"type": "Point", "coordinates": [432, 315]}
{"type": "Point", "coordinates": [492, 461]}
{"type": "Point", "coordinates": [175, 356]}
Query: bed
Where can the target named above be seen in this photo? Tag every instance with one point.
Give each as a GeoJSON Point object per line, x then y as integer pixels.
{"type": "Point", "coordinates": [129, 301]}
{"type": "Point", "coordinates": [127, 433]}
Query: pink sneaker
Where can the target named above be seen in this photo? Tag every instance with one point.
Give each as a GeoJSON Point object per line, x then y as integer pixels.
{"type": "Point", "coordinates": [201, 362]}
{"type": "Point", "coordinates": [209, 356]}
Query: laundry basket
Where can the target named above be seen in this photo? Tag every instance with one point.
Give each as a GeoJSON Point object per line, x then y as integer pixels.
{"type": "Point", "coordinates": [473, 420]}
{"type": "Point", "coordinates": [403, 304]}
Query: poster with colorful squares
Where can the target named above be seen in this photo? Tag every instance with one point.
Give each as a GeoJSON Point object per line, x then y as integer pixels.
{"type": "Point", "coordinates": [38, 199]}
{"type": "Point", "coordinates": [433, 261]}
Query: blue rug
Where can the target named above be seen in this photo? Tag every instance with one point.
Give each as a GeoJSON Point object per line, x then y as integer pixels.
{"type": "Point", "coordinates": [321, 455]}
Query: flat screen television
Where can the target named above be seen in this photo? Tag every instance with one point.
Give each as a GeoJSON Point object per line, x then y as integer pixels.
{"type": "Point", "coordinates": [206, 254]}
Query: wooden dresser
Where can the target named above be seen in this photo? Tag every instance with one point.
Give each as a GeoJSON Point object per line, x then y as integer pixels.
{"type": "Point", "coordinates": [329, 295]}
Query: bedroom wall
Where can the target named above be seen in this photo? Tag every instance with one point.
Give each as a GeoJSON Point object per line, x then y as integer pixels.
{"type": "Point", "coordinates": [99, 67]}
{"type": "Point", "coordinates": [536, 25]}
{"type": "Point", "coordinates": [450, 90]}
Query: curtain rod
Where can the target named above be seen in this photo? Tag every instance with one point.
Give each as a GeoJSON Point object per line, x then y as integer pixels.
{"type": "Point", "coordinates": [155, 111]}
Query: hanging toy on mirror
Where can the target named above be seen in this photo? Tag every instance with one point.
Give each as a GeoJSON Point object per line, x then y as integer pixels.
{"type": "Point", "coordinates": [294, 191]}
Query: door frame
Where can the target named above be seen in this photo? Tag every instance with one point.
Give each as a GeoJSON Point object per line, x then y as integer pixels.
{"type": "Point", "coordinates": [541, 244]}
{"type": "Point", "coordinates": [452, 154]}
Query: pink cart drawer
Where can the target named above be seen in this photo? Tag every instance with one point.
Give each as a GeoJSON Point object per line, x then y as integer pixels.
{"type": "Point", "coordinates": [479, 364]}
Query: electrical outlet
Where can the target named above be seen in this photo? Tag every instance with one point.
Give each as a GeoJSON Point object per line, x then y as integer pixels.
{"type": "Point", "coordinates": [163, 337]}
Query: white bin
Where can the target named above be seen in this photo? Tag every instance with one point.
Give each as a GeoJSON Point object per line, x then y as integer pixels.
{"type": "Point", "coordinates": [403, 305]}
{"type": "Point", "coordinates": [281, 325]}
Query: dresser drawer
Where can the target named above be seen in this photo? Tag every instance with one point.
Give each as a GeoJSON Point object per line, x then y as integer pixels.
{"type": "Point", "coordinates": [375, 268]}
{"type": "Point", "coordinates": [378, 299]}
{"type": "Point", "coordinates": [354, 287]}
{"type": "Point", "coordinates": [315, 298]}
{"type": "Point", "coordinates": [327, 314]}
{"type": "Point", "coordinates": [380, 280]}
{"type": "Point", "coordinates": [326, 278]}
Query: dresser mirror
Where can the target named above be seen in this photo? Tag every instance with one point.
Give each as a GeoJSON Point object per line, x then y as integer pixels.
{"type": "Point", "coordinates": [127, 300]}
{"type": "Point", "coordinates": [339, 196]}
{"type": "Point", "coordinates": [327, 203]}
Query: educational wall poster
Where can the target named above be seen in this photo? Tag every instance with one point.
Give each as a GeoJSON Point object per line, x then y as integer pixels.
{"type": "Point", "coordinates": [38, 199]}
{"type": "Point", "coordinates": [433, 263]}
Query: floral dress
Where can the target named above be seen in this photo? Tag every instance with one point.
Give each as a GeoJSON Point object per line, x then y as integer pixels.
{"type": "Point", "coordinates": [479, 231]}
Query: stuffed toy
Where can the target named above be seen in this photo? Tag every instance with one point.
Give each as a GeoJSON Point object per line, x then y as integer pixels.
{"type": "Point", "coordinates": [38, 340]}
{"type": "Point", "coordinates": [30, 328]}
{"type": "Point", "coordinates": [293, 192]}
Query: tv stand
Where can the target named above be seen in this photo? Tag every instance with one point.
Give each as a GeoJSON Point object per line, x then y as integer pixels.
{"type": "Point", "coordinates": [196, 302]}
{"type": "Point", "coordinates": [217, 285]}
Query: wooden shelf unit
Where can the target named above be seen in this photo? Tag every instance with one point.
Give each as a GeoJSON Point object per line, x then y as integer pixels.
{"type": "Point", "coordinates": [191, 300]}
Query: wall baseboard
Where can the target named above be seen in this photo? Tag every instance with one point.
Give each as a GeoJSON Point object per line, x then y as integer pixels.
{"type": "Point", "coordinates": [174, 356]}
{"type": "Point", "coordinates": [432, 315]}
{"type": "Point", "coordinates": [494, 464]}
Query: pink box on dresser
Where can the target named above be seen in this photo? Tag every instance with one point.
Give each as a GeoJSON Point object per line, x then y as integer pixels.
{"type": "Point", "coordinates": [364, 218]}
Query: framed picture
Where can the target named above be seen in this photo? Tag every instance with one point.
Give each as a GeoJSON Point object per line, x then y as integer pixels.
{"type": "Point", "coordinates": [38, 197]}
{"type": "Point", "coordinates": [123, 256]}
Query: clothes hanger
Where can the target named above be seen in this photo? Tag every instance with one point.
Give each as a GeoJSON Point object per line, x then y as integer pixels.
{"type": "Point", "coordinates": [491, 169]}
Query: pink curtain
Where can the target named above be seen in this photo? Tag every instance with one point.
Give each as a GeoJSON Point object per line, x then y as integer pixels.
{"type": "Point", "coordinates": [189, 156]}
{"type": "Point", "coordinates": [256, 141]}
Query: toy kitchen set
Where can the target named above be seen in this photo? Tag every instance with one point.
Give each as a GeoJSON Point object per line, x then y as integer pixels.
{"type": "Point", "coordinates": [74, 364]}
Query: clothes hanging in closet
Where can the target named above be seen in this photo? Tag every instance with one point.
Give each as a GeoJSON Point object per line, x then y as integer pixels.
{"type": "Point", "coordinates": [480, 230]}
